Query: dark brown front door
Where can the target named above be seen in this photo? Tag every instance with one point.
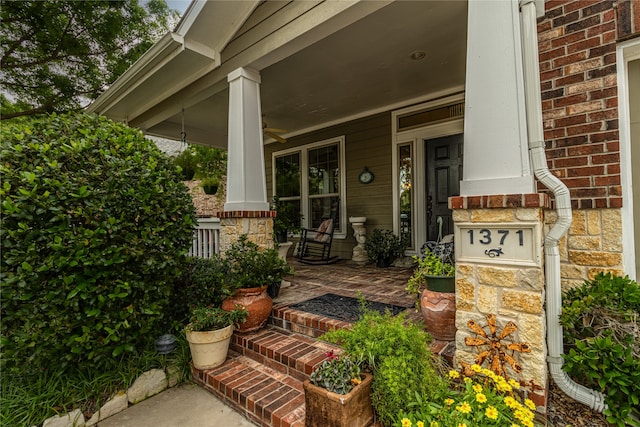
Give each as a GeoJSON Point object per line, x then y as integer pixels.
{"type": "Point", "coordinates": [444, 172]}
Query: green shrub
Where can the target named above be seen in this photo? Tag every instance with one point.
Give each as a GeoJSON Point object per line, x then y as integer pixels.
{"type": "Point", "coordinates": [602, 336]}
{"type": "Point", "coordinates": [95, 224]}
{"type": "Point", "coordinates": [201, 282]}
{"type": "Point", "coordinates": [397, 353]}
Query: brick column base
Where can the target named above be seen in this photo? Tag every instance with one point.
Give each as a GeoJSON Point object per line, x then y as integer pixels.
{"type": "Point", "coordinates": [257, 225]}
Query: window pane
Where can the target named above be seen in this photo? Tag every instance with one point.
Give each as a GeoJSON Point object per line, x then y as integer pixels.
{"type": "Point", "coordinates": [324, 171]}
{"type": "Point", "coordinates": [405, 169]}
{"type": "Point", "coordinates": [321, 208]}
{"type": "Point", "coordinates": [288, 175]}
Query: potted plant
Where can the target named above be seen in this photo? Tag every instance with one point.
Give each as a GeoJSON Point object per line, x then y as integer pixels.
{"type": "Point", "coordinates": [188, 164]}
{"type": "Point", "coordinates": [383, 247]}
{"type": "Point", "coordinates": [338, 394]}
{"type": "Point", "coordinates": [288, 219]}
{"type": "Point", "coordinates": [252, 271]}
{"type": "Point", "coordinates": [210, 185]}
{"type": "Point", "coordinates": [396, 352]}
{"type": "Point", "coordinates": [209, 332]}
{"type": "Point", "coordinates": [433, 285]}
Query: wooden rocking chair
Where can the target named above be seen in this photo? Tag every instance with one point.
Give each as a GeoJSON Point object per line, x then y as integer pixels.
{"type": "Point", "coordinates": [315, 245]}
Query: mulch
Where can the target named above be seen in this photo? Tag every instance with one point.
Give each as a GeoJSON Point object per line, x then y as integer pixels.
{"type": "Point", "coordinates": [563, 411]}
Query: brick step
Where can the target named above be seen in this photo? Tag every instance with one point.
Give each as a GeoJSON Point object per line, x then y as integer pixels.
{"type": "Point", "coordinates": [265, 396]}
{"type": "Point", "coordinates": [301, 322]}
{"type": "Point", "coordinates": [282, 351]}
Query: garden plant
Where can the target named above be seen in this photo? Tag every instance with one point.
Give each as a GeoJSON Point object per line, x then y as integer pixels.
{"type": "Point", "coordinates": [396, 352]}
{"type": "Point", "coordinates": [482, 399]}
{"type": "Point", "coordinates": [601, 324]}
{"type": "Point", "coordinates": [95, 227]}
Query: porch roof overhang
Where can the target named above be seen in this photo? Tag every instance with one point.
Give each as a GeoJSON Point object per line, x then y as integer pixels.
{"type": "Point", "coordinates": [321, 63]}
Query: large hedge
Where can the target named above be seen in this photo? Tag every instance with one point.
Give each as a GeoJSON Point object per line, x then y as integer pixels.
{"type": "Point", "coordinates": [95, 224]}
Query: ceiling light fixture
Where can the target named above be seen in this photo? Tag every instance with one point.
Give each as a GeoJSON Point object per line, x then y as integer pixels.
{"type": "Point", "coordinates": [418, 55]}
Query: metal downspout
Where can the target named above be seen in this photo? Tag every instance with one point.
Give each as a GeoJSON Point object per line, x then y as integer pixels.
{"type": "Point", "coordinates": [592, 398]}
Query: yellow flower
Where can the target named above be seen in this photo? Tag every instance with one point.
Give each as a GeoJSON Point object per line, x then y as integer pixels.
{"type": "Point", "coordinates": [464, 407]}
{"type": "Point", "coordinates": [419, 424]}
{"type": "Point", "coordinates": [481, 398]}
{"type": "Point", "coordinates": [406, 422]}
{"type": "Point", "coordinates": [462, 425]}
{"type": "Point", "coordinates": [434, 424]}
{"type": "Point", "coordinates": [529, 404]}
{"type": "Point", "coordinates": [476, 368]}
{"type": "Point", "coordinates": [467, 379]}
{"type": "Point", "coordinates": [449, 402]}
{"type": "Point", "coordinates": [527, 423]}
{"type": "Point", "coordinates": [510, 402]}
{"type": "Point", "coordinates": [491, 412]}
{"type": "Point", "coordinates": [515, 384]}
{"type": "Point", "coordinates": [454, 374]}
{"type": "Point", "coordinates": [477, 388]}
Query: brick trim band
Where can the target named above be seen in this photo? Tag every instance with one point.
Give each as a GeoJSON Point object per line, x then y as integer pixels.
{"type": "Point", "coordinates": [495, 201]}
{"type": "Point", "coordinates": [246, 214]}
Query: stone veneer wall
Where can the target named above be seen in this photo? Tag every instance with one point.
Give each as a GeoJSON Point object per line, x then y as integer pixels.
{"type": "Point", "coordinates": [257, 225]}
{"type": "Point", "coordinates": [593, 245]}
{"type": "Point", "coordinates": [511, 292]}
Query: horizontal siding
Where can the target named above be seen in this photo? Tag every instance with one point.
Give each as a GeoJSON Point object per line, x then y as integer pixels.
{"type": "Point", "coordinates": [367, 144]}
{"type": "Point", "coordinates": [268, 18]}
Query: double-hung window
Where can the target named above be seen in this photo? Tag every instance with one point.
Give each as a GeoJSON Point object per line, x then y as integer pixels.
{"type": "Point", "coordinates": [311, 178]}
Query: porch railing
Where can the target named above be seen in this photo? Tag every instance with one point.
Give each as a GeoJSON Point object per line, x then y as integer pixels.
{"type": "Point", "coordinates": [206, 238]}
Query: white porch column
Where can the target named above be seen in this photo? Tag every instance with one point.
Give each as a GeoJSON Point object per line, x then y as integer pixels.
{"type": "Point", "coordinates": [496, 157]}
{"type": "Point", "coordinates": [246, 183]}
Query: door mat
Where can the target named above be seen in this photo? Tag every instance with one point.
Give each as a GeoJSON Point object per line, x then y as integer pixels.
{"type": "Point", "coordinates": [343, 308]}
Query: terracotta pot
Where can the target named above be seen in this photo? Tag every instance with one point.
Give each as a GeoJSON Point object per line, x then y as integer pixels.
{"type": "Point", "coordinates": [439, 313]}
{"type": "Point", "coordinates": [326, 409]}
{"type": "Point", "coordinates": [256, 301]}
{"type": "Point", "coordinates": [209, 348]}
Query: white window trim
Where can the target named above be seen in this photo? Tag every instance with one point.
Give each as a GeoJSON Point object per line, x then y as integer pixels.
{"type": "Point", "coordinates": [625, 53]}
{"type": "Point", "coordinates": [304, 185]}
{"type": "Point", "coordinates": [415, 137]}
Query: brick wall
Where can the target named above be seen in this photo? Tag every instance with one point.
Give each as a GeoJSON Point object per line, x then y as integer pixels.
{"type": "Point", "coordinates": [577, 43]}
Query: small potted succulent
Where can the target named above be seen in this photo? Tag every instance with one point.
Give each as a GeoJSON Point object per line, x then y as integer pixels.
{"type": "Point", "coordinates": [383, 247]}
{"type": "Point", "coordinates": [338, 394]}
{"type": "Point", "coordinates": [209, 333]}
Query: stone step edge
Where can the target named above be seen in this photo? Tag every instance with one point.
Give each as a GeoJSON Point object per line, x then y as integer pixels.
{"type": "Point", "coordinates": [282, 351]}
{"type": "Point", "coordinates": [263, 395]}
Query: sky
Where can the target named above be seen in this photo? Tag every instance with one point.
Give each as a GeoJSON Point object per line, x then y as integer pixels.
{"type": "Point", "coordinates": [179, 5]}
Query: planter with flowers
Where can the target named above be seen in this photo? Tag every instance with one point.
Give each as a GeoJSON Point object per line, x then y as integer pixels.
{"type": "Point", "coordinates": [338, 394]}
{"type": "Point", "coordinates": [209, 332]}
{"type": "Point", "coordinates": [481, 399]}
{"type": "Point", "coordinates": [255, 277]}
{"type": "Point", "coordinates": [433, 285]}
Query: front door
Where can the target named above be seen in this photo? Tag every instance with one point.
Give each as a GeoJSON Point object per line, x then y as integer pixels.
{"type": "Point", "coordinates": [444, 172]}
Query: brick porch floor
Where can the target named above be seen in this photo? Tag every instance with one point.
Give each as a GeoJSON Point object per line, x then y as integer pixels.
{"type": "Point", "coordinates": [262, 377]}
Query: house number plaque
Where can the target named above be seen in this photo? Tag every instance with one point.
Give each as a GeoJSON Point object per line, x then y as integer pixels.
{"type": "Point", "coordinates": [512, 243]}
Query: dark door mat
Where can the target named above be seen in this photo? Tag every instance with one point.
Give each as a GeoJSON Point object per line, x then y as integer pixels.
{"type": "Point", "coordinates": [342, 308]}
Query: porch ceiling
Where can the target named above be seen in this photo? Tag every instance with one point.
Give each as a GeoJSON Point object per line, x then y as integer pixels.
{"type": "Point", "coordinates": [361, 68]}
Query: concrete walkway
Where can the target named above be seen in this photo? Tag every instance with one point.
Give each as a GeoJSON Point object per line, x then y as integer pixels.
{"type": "Point", "coordinates": [185, 406]}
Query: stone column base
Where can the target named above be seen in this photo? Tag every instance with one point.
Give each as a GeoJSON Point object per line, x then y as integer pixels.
{"type": "Point", "coordinates": [257, 225]}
